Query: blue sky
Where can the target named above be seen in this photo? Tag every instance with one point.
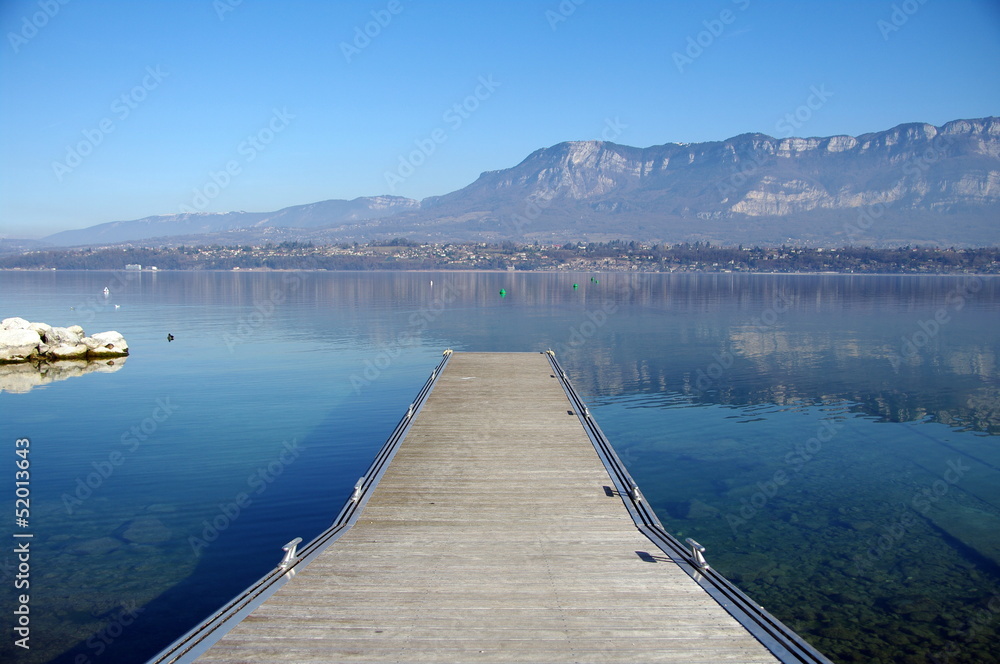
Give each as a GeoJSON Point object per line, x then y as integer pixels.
{"type": "Point", "coordinates": [119, 110]}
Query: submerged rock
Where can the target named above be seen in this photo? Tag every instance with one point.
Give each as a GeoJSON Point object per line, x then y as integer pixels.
{"type": "Point", "coordinates": [96, 547]}
{"type": "Point", "coordinates": [701, 510]}
{"type": "Point", "coordinates": [146, 530]}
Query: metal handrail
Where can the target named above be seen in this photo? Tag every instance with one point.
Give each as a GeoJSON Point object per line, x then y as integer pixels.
{"type": "Point", "coordinates": [697, 553]}
{"type": "Point", "coordinates": [777, 637]}
{"type": "Point", "coordinates": [290, 555]}
{"type": "Point", "coordinates": [198, 639]}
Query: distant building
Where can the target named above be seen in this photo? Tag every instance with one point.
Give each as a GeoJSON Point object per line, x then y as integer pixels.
{"type": "Point", "coordinates": [134, 267]}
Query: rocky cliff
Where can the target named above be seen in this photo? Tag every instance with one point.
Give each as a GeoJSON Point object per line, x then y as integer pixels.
{"type": "Point", "coordinates": [912, 184]}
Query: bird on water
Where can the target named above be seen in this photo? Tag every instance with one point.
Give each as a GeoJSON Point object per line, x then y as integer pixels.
{"type": "Point", "coordinates": [170, 337]}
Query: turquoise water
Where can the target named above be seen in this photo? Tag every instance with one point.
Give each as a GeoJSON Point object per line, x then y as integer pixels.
{"type": "Point", "coordinates": [832, 439]}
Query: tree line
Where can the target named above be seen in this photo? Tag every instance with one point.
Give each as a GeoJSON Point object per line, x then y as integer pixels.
{"type": "Point", "coordinates": [410, 255]}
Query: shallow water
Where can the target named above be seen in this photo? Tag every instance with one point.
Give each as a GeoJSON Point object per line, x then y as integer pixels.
{"type": "Point", "coordinates": [832, 440]}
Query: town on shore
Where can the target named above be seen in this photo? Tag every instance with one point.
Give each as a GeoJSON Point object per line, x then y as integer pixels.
{"type": "Point", "coordinates": [614, 256]}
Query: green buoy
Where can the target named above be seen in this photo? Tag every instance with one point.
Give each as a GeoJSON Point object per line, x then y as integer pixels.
{"type": "Point", "coordinates": [575, 286]}
{"type": "Point", "coordinates": [503, 292]}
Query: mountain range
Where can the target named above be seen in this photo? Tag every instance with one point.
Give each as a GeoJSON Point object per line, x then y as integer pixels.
{"type": "Point", "coordinates": [912, 184]}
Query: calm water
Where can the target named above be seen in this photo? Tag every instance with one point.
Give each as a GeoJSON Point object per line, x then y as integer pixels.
{"type": "Point", "coordinates": [832, 440]}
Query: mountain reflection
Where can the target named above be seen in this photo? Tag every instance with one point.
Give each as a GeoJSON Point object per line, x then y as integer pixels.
{"type": "Point", "coordinates": [900, 347]}
{"type": "Point", "coordinates": [804, 339]}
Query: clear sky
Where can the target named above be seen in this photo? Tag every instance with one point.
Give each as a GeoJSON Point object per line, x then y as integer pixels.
{"type": "Point", "coordinates": [120, 110]}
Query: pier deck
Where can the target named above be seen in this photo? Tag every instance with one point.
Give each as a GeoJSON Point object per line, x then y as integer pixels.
{"type": "Point", "coordinates": [495, 534]}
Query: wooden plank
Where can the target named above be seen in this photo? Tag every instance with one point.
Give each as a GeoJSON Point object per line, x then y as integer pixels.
{"type": "Point", "coordinates": [492, 537]}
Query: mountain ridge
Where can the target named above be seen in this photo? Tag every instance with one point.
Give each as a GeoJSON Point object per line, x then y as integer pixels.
{"type": "Point", "coordinates": [913, 183]}
{"type": "Point", "coordinates": [308, 215]}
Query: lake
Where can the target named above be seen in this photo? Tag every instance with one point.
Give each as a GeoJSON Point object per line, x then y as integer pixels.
{"type": "Point", "coordinates": [831, 439]}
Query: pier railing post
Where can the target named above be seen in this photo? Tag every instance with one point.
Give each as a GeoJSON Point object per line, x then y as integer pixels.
{"type": "Point", "coordinates": [290, 553]}
{"type": "Point", "coordinates": [636, 494]}
{"type": "Point", "coordinates": [697, 553]}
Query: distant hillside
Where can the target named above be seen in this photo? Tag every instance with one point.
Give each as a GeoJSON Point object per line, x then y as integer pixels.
{"type": "Point", "coordinates": [334, 213]}
{"type": "Point", "coordinates": [913, 184]}
{"type": "Point", "coordinates": [15, 246]}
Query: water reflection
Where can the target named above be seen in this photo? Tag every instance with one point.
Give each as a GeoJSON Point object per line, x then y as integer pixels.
{"type": "Point", "coordinates": [789, 339]}
{"type": "Point", "coordinates": [25, 376]}
{"type": "Point", "coordinates": [705, 384]}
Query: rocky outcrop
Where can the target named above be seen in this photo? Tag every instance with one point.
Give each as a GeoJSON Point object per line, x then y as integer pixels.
{"type": "Point", "coordinates": [24, 341]}
{"type": "Point", "coordinates": [915, 183]}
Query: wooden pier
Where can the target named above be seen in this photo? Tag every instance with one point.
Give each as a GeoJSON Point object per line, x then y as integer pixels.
{"type": "Point", "coordinates": [493, 529]}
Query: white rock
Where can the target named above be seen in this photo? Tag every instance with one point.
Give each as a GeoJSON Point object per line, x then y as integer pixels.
{"type": "Point", "coordinates": [13, 324]}
{"type": "Point", "coordinates": [64, 335]}
{"type": "Point", "coordinates": [18, 345]}
{"type": "Point", "coordinates": [106, 344]}
{"type": "Point", "coordinates": [41, 328]}
{"type": "Point", "coordinates": [67, 351]}
{"type": "Point", "coordinates": [22, 340]}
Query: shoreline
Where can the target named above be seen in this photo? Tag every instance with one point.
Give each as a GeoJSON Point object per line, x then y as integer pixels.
{"type": "Point", "coordinates": [487, 271]}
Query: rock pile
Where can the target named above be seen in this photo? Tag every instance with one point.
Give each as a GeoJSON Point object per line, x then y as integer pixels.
{"type": "Point", "coordinates": [23, 341]}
